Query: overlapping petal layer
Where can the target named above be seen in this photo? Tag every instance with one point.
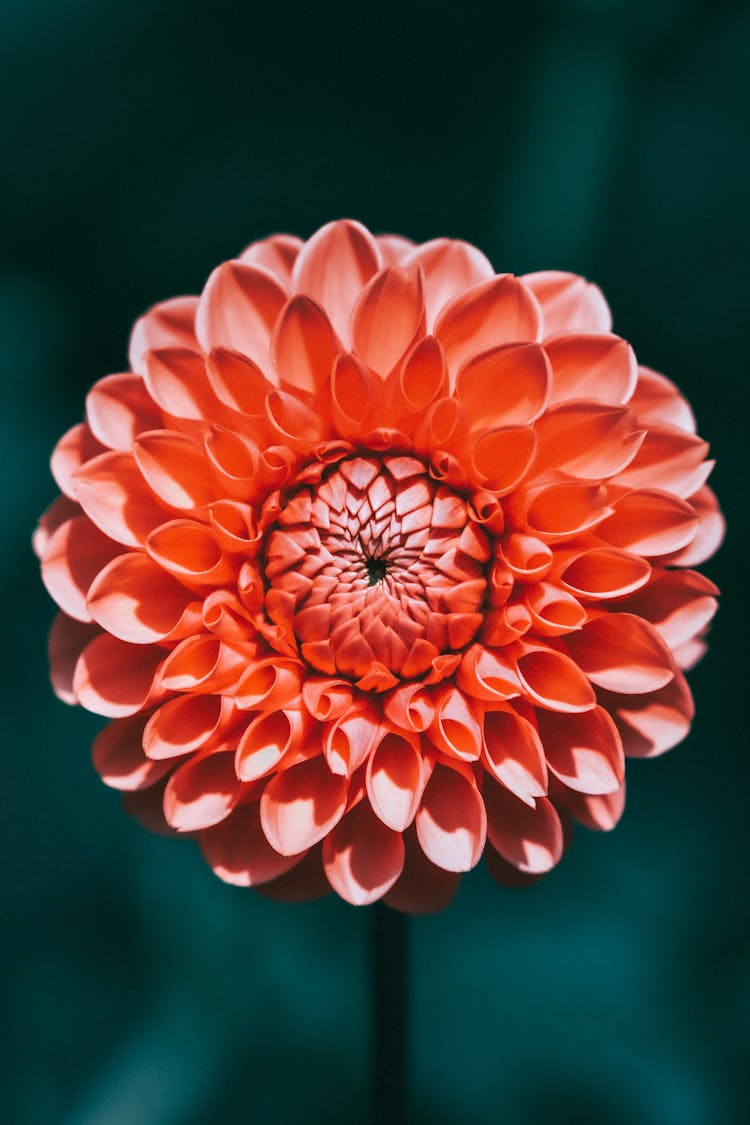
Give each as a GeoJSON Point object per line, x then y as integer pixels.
{"type": "Point", "coordinates": [377, 562]}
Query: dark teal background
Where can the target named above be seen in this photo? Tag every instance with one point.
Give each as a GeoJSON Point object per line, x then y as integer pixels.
{"type": "Point", "coordinates": [143, 142]}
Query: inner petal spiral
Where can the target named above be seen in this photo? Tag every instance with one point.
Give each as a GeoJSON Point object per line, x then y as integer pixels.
{"type": "Point", "coordinates": [377, 568]}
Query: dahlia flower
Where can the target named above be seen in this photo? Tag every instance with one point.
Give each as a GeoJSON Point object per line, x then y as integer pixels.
{"type": "Point", "coordinates": [379, 562]}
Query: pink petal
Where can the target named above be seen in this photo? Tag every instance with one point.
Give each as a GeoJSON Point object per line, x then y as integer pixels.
{"type": "Point", "coordinates": [449, 267]}
{"type": "Point", "coordinates": [553, 681]}
{"type": "Point", "coordinates": [569, 303]}
{"type": "Point", "coordinates": [238, 382]}
{"type": "Point", "coordinates": [75, 448]}
{"type": "Point", "coordinates": [267, 739]}
{"type": "Point", "coordinates": [670, 459]}
{"type": "Point", "coordinates": [176, 380]}
{"type": "Point", "coordinates": [353, 396]}
{"type": "Point", "coordinates": [583, 751]}
{"type": "Point", "coordinates": [350, 739]}
{"type": "Point", "coordinates": [388, 316]}
{"type": "Point", "coordinates": [119, 758]}
{"type": "Point", "coordinates": [333, 267]}
{"type": "Point", "coordinates": [277, 254]}
{"type": "Point", "coordinates": [502, 457]}
{"type": "Point", "coordinates": [304, 345]}
{"type": "Point", "coordinates": [600, 813]}
{"type": "Point", "coordinates": [238, 309]}
{"type": "Point", "coordinates": [59, 512]}
{"type": "Point", "coordinates": [175, 466]}
{"type": "Point", "coordinates": [167, 324]}
{"type": "Point", "coordinates": [422, 887]}
{"type": "Point", "coordinates": [710, 534]}
{"type": "Point", "coordinates": [393, 248]}
{"type": "Point", "coordinates": [513, 753]}
{"type": "Point", "coordinates": [505, 386]}
{"type": "Point", "coordinates": [455, 729]}
{"type": "Point", "coordinates": [562, 510]}
{"type": "Point", "coordinates": [599, 368]}
{"type": "Point", "coordinates": [239, 853]}
{"type": "Point", "coordinates": [362, 857]}
{"type": "Point", "coordinates": [451, 821]}
{"type": "Point", "coordinates": [650, 522]}
{"type": "Point", "coordinates": [72, 558]}
{"type": "Point", "coordinates": [201, 792]}
{"type": "Point", "coordinates": [67, 640]}
{"type": "Point", "coordinates": [621, 652]}
{"type": "Point", "coordinates": [495, 312]}
{"type": "Point", "coordinates": [113, 494]}
{"type": "Point", "coordinates": [118, 408]}
{"type": "Point", "coordinates": [114, 678]}
{"type": "Point", "coordinates": [395, 780]}
{"type": "Point", "coordinates": [301, 805]}
{"type": "Point", "coordinates": [652, 724]}
{"type": "Point", "coordinates": [183, 725]}
{"type": "Point", "coordinates": [679, 604]}
{"type": "Point", "coordinates": [604, 572]}
{"type": "Point", "coordinates": [135, 600]}
{"type": "Point", "coordinates": [530, 839]}
{"type": "Point", "coordinates": [657, 399]}
{"type": "Point", "coordinates": [587, 440]}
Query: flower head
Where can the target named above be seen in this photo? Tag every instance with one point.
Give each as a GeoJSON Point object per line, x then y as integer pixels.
{"type": "Point", "coordinates": [379, 562]}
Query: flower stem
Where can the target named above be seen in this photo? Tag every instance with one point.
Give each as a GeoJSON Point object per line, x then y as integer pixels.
{"type": "Point", "coordinates": [390, 1010]}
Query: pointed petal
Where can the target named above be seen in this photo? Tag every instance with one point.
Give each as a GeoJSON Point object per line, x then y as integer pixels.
{"type": "Point", "coordinates": [301, 805]}
{"type": "Point", "coordinates": [554, 681]}
{"type": "Point", "coordinates": [396, 780]}
{"type": "Point", "coordinates": [118, 408]}
{"type": "Point", "coordinates": [656, 399]}
{"type": "Point", "coordinates": [304, 345]}
{"type": "Point", "coordinates": [114, 678]}
{"type": "Point", "coordinates": [568, 302]}
{"type": "Point", "coordinates": [583, 751]}
{"type": "Point", "coordinates": [168, 324]}
{"type": "Point", "coordinates": [183, 725]}
{"type": "Point", "coordinates": [239, 853]}
{"type": "Point", "coordinates": [119, 759]}
{"type": "Point", "coordinates": [495, 312]}
{"type": "Point", "coordinates": [75, 449]}
{"type": "Point", "coordinates": [502, 457]}
{"type": "Point", "coordinates": [333, 267]}
{"type": "Point", "coordinates": [450, 266]}
{"type": "Point", "coordinates": [598, 368]}
{"type": "Point", "coordinates": [362, 857]}
{"type": "Point", "coordinates": [137, 601]}
{"type": "Point", "coordinates": [513, 753]}
{"type": "Point", "coordinates": [201, 792]}
{"type": "Point", "coordinates": [529, 839]}
{"type": "Point", "coordinates": [113, 493]}
{"type": "Point", "coordinates": [67, 640]}
{"type": "Point", "coordinates": [670, 459]}
{"type": "Point", "coordinates": [451, 822]}
{"type": "Point", "coordinates": [72, 558]}
{"type": "Point", "coordinates": [587, 440]}
{"type": "Point", "coordinates": [622, 653]}
{"type": "Point", "coordinates": [604, 572]}
{"type": "Point", "coordinates": [277, 254]}
{"type": "Point", "coordinates": [175, 467]}
{"type": "Point", "coordinates": [238, 309]}
{"type": "Point", "coordinates": [650, 522]}
{"type": "Point", "coordinates": [505, 386]}
{"type": "Point", "coordinates": [652, 724]}
{"type": "Point", "coordinates": [387, 317]}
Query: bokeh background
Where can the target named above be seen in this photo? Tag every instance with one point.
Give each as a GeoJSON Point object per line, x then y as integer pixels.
{"type": "Point", "coordinates": [143, 141]}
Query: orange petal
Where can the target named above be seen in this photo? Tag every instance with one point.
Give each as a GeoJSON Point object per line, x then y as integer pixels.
{"type": "Point", "coordinates": [352, 391]}
{"type": "Point", "coordinates": [568, 302]}
{"type": "Point", "coordinates": [298, 425]}
{"type": "Point", "coordinates": [450, 266]}
{"type": "Point", "coordinates": [175, 466]}
{"type": "Point", "coordinates": [239, 853]}
{"type": "Point", "coordinates": [333, 267]}
{"type": "Point", "coordinates": [554, 612]}
{"type": "Point", "coordinates": [59, 512]}
{"type": "Point", "coordinates": [560, 511]}
{"type": "Point", "coordinates": [485, 674]}
{"type": "Point", "coordinates": [135, 600]}
{"type": "Point", "coordinates": [456, 729]}
{"type": "Point", "coordinates": [422, 888]}
{"type": "Point", "coordinates": [678, 603]}
{"type": "Point", "coordinates": [75, 448]}
{"type": "Point", "coordinates": [201, 663]}
{"type": "Point", "coordinates": [67, 640]}
{"type": "Point", "coordinates": [238, 309]}
{"type": "Point", "coordinates": [301, 805]}
{"type": "Point", "coordinates": [499, 311]}
{"type": "Point", "coordinates": [237, 382]}
{"type": "Point", "coordinates": [622, 653]}
{"type": "Point", "coordinates": [599, 368]}
{"type": "Point", "coordinates": [604, 572]}
{"type": "Point", "coordinates": [167, 324]}
{"type": "Point", "coordinates": [526, 557]}
{"type": "Point", "coordinates": [118, 408]}
{"type": "Point", "coordinates": [501, 458]}
{"type": "Point", "coordinates": [513, 753]}
{"type": "Point", "coordinates": [201, 792]}
{"type": "Point", "coordinates": [389, 314]}
{"type": "Point", "coordinates": [396, 778]}
{"type": "Point", "coordinates": [225, 615]}
{"type": "Point", "coordinates": [234, 461]}
{"type": "Point", "coordinates": [530, 839]}
{"type": "Point", "coordinates": [266, 740]}
{"type": "Point", "coordinates": [119, 759]}
{"type": "Point", "coordinates": [710, 534]}
{"type": "Point", "coordinates": [583, 751]}
{"type": "Point", "coordinates": [423, 377]}
{"type": "Point", "coordinates": [114, 678]}
{"type": "Point", "coordinates": [451, 822]}
{"type": "Point", "coordinates": [183, 725]}
{"type": "Point", "coordinates": [304, 345]}
{"type": "Point", "coordinates": [393, 248]}
{"type": "Point", "coordinates": [600, 813]}
{"type": "Point", "coordinates": [553, 681]}
{"type": "Point", "coordinates": [233, 523]}
{"type": "Point", "coordinates": [505, 386]}
{"type": "Point", "coordinates": [350, 738]}
{"type": "Point", "coordinates": [587, 440]}
{"type": "Point", "coordinates": [72, 558]}
{"type": "Point", "coordinates": [362, 857]}
{"type": "Point", "coordinates": [176, 380]}
{"type": "Point", "coordinates": [190, 552]}
{"type": "Point", "coordinates": [113, 494]}
{"type": "Point", "coordinates": [277, 254]}
{"type": "Point", "coordinates": [652, 724]}
{"type": "Point", "coordinates": [656, 399]}
{"type": "Point", "coordinates": [650, 522]}
{"type": "Point", "coordinates": [269, 684]}
{"type": "Point", "coordinates": [326, 699]}
{"type": "Point", "coordinates": [670, 459]}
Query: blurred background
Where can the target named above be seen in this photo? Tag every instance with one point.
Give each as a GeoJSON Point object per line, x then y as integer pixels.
{"type": "Point", "coordinates": [144, 141]}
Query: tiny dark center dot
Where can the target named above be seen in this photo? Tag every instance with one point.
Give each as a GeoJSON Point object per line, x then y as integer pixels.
{"type": "Point", "coordinates": [376, 569]}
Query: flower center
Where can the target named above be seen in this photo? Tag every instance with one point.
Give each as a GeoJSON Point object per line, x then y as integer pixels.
{"type": "Point", "coordinates": [376, 568]}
